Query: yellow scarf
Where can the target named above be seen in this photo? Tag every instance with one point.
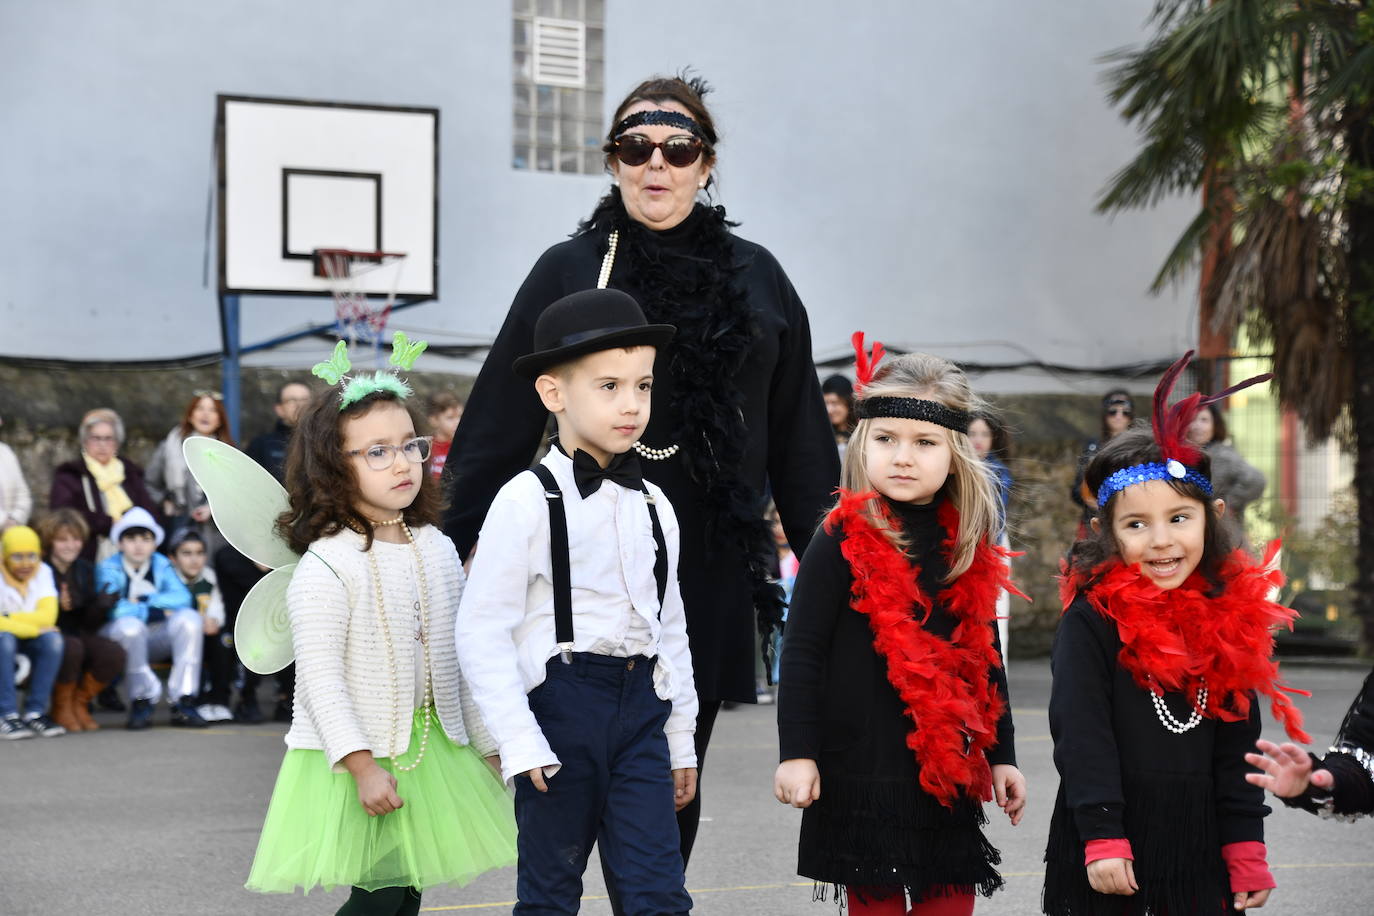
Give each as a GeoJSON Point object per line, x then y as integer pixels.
{"type": "Point", "coordinates": [110, 479]}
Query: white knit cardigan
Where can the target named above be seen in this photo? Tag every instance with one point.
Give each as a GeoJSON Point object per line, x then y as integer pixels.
{"type": "Point", "coordinates": [344, 684]}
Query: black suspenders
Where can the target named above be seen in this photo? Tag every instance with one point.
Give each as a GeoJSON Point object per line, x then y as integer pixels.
{"type": "Point", "coordinates": [558, 550]}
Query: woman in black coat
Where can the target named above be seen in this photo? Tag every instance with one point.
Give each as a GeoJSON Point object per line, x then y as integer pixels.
{"type": "Point", "coordinates": [737, 408]}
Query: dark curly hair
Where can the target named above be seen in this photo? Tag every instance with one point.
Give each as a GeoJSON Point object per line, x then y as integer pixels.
{"type": "Point", "coordinates": [321, 483]}
{"type": "Point", "coordinates": [1138, 446]}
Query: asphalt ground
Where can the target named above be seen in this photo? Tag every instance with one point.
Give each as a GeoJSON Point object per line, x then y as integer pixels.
{"type": "Point", "coordinates": [166, 821]}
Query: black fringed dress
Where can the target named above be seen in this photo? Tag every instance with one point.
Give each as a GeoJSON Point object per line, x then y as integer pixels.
{"type": "Point", "coordinates": [1177, 807]}
{"type": "Point", "coordinates": [873, 825]}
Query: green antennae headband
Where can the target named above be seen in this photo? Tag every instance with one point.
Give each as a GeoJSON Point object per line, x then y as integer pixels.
{"type": "Point", "coordinates": [335, 370]}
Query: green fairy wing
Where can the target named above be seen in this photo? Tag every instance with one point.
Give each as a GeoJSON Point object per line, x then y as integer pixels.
{"type": "Point", "coordinates": [245, 501]}
{"type": "Point", "coordinates": [262, 631]}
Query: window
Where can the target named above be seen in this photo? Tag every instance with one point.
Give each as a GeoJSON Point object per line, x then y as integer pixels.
{"type": "Point", "coordinates": [558, 49]}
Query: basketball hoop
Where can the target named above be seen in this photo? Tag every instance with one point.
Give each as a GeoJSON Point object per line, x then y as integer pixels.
{"type": "Point", "coordinates": [357, 318]}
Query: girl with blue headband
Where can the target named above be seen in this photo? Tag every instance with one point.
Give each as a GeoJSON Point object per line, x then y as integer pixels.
{"type": "Point", "coordinates": [1159, 661]}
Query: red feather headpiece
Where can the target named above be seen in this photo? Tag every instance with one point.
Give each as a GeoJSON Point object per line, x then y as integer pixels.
{"type": "Point", "coordinates": [865, 362]}
{"type": "Point", "coordinates": [1171, 423]}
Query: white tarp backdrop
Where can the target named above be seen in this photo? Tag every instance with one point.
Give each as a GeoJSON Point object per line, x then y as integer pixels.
{"type": "Point", "coordinates": [924, 172]}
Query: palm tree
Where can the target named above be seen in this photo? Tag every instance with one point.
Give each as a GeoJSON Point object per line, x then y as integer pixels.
{"type": "Point", "coordinates": [1264, 107]}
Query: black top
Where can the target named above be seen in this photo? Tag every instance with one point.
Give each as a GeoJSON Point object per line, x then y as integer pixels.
{"type": "Point", "coordinates": [789, 451]}
{"type": "Point", "coordinates": [269, 450]}
{"type": "Point", "coordinates": [834, 684]}
{"type": "Point", "coordinates": [873, 825]}
{"type": "Point", "coordinates": [90, 609]}
{"type": "Point", "coordinates": [1178, 798]}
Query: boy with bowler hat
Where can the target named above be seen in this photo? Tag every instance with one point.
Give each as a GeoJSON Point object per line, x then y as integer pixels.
{"type": "Point", "coordinates": [571, 631]}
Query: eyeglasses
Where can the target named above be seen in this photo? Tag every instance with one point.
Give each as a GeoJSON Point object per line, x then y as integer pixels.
{"type": "Point", "coordinates": [101, 439]}
{"type": "Point", "coordinates": [680, 152]}
{"type": "Point", "coordinates": [1118, 411]}
{"type": "Point", "coordinates": [380, 457]}
{"type": "Point", "coordinates": [212, 395]}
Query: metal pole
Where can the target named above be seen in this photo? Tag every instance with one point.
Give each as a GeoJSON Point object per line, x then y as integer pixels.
{"type": "Point", "coordinates": [229, 328]}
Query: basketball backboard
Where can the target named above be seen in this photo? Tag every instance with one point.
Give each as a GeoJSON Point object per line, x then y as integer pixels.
{"type": "Point", "coordinates": [296, 176]}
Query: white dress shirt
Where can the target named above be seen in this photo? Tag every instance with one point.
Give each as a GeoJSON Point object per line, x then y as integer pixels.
{"type": "Point", "coordinates": [505, 627]}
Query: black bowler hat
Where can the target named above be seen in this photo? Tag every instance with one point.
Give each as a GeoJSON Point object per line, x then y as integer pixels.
{"type": "Point", "coordinates": [587, 322]}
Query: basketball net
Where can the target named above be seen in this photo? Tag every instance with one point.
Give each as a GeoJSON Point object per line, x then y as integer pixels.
{"type": "Point", "coordinates": [358, 318]}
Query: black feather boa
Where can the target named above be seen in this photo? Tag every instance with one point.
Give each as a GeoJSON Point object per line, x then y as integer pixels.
{"type": "Point", "coordinates": [698, 286]}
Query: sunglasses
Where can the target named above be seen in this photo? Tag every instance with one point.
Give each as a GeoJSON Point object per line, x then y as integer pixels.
{"type": "Point", "coordinates": [212, 395]}
{"type": "Point", "coordinates": [1118, 411]}
{"type": "Point", "coordinates": [679, 152]}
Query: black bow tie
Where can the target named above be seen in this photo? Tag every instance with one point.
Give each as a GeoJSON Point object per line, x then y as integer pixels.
{"type": "Point", "coordinates": [623, 470]}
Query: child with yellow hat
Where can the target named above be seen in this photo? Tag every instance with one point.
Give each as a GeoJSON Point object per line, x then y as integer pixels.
{"type": "Point", "coordinates": [28, 626]}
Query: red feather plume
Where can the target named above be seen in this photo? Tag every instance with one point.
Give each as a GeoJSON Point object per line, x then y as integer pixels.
{"type": "Point", "coordinates": [1171, 423]}
{"type": "Point", "coordinates": [865, 363]}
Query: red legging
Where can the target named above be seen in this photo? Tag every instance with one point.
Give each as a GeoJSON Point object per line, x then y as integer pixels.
{"type": "Point", "coordinates": [893, 903]}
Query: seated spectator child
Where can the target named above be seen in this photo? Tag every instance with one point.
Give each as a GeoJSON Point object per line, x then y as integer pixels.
{"type": "Point", "coordinates": [217, 660]}
{"type": "Point", "coordinates": [153, 619]}
{"type": "Point", "coordinates": [28, 614]}
{"type": "Point", "coordinates": [89, 661]}
{"type": "Point", "coordinates": [571, 630]}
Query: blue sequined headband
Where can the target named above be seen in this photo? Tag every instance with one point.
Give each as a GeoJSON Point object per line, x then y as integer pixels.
{"type": "Point", "coordinates": [1140, 473]}
{"type": "Point", "coordinates": [659, 116]}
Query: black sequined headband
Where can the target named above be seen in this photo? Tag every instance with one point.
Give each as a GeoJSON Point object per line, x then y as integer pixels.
{"type": "Point", "coordinates": [913, 409]}
{"type": "Point", "coordinates": [659, 116]}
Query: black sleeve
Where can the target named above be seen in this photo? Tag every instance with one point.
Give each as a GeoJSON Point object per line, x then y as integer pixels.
{"type": "Point", "coordinates": [1004, 751]}
{"type": "Point", "coordinates": [92, 608]}
{"type": "Point", "coordinates": [820, 595]}
{"type": "Point", "coordinates": [1353, 791]}
{"type": "Point", "coordinates": [803, 463]}
{"type": "Point", "coordinates": [504, 418]}
{"type": "Point", "coordinates": [1082, 665]}
{"type": "Point", "coordinates": [1240, 806]}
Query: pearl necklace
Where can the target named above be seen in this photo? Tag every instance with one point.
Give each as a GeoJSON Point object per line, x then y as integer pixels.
{"type": "Point", "coordinates": [608, 261]}
{"type": "Point", "coordinates": [654, 454]}
{"type": "Point", "coordinates": [427, 706]}
{"type": "Point", "coordinates": [1166, 716]}
{"type": "Point", "coordinates": [389, 522]}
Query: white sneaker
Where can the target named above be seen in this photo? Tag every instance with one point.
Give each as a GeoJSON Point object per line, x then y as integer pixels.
{"type": "Point", "coordinates": [213, 712]}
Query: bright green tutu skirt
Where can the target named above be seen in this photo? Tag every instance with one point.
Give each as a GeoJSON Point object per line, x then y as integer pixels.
{"type": "Point", "coordinates": [457, 822]}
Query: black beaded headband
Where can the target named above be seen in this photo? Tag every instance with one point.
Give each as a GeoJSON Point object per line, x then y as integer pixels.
{"type": "Point", "coordinates": [659, 116]}
{"type": "Point", "coordinates": [913, 409]}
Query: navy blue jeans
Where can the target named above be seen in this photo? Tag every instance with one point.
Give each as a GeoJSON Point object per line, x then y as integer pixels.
{"type": "Point", "coordinates": [605, 724]}
{"type": "Point", "coordinates": [45, 652]}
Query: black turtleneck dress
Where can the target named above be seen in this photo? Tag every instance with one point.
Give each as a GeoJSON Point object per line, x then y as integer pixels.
{"type": "Point", "coordinates": [873, 825]}
{"type": "Point", "coordinates": [780, 444]}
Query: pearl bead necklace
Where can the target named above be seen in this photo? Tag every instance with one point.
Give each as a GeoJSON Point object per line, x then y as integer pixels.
{"type": "Point", "coordinates": [608, 261]}
{"type": "Point", "coordinates": [389, 522]}
{"type": "Point", "coordinates": [427, 706]}
{"type": "Point", "coordinates": [654, 454]}
{"type": "Point", "coordinates": [1166, 716]}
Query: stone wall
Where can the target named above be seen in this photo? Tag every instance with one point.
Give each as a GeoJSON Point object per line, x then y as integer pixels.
{"type": "Point", "coordinates": [41, 410]}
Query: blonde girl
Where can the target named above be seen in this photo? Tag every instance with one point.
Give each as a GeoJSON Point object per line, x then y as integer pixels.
{"type": "Point", "coordinates": [894, 721]}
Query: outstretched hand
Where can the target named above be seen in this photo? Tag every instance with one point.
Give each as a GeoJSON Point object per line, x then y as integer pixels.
{"type": "Point", "coordinates": [1286, 770]}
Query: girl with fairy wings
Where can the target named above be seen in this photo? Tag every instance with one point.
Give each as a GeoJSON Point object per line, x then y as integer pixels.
{"type": "Point", "coordinates": [383, 787]}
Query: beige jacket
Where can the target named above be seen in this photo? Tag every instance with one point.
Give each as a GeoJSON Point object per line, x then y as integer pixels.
{"type": "Point", "coordinates": [345, 688]}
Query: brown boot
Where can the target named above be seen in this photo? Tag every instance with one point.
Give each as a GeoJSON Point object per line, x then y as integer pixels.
{"type": "Point", "coordinates": [81, 702]}
{"type": "Point", "coordinates": [61, 711]}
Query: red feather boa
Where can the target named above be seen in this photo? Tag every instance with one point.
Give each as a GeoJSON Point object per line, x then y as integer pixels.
{"type": "Point", "coordinates": [1178, 638]}
{"type": "Point", "coordinates": [944, 684]}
